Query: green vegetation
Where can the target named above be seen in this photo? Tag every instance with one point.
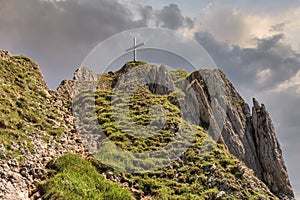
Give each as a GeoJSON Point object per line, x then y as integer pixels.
{"type": "Point", "coordinates": [24, 100]}
{"type": "Point", "coordinates": [133, 129]}
{"type": "Point", "coordinates": [178, 75]}
{"type": "Point", "coordinates": [136, 124]}
{"type": "Point", "coordinates": [76, 178]}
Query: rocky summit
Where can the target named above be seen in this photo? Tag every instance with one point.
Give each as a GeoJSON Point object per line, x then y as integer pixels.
{"type": "Point", "coordinates": [142, 132]}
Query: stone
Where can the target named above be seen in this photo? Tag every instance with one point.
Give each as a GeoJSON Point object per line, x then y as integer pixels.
{"type": "Point", "coordinates": [159, 81]}
{"type": "Point", "coordinates": [249, 136]}
{"type": "Point", "coordinates": [220, 194]}
{"type": "Point", "coordinates": [268, 151]}
{"type": "Point", "coordinates": [85, 74]}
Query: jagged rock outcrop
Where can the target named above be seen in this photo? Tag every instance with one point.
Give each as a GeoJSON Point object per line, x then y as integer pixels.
{"type": "Point", "coordinates": [157, 79]}
{"type": "Point", "coordinates": [268, 150]}
{"type": "Point", "coordinates": [85, 74]}
{"type": "Point", "coordinates": [160, 82]}
{"type": "Point", "coordinates": [249, 136]}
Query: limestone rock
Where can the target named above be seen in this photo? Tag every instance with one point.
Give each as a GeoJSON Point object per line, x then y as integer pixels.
{"type": "Point", "coordinates": [85, 74]}
{"type": "Point", "coordinates": [249, 136]}
{"type": "Point", "coordinates": [157, 79]}
{"type": "Point", "coordinates": [22, 169]}
{"type": "Point", "coordinates": [160, 82]}
{"type": "Point", "coordinates": [268, 150]}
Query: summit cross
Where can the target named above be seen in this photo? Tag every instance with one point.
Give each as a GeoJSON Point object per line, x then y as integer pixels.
{"type": "Point", "coordinates": [134, 48]}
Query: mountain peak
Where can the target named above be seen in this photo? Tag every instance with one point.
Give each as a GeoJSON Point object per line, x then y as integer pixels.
{"type": "Point", "coordinates": [38, 127]}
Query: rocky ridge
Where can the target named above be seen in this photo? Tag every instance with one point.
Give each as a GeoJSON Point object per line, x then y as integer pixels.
{"type": "Point", "coordinates": [248, 136]}
{"type": "Point", "coordinates": [23, 160]}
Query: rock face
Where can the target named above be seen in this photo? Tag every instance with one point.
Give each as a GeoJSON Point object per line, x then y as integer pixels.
{"type": "Point", "coordinates": [160, 82]}
{"type": "Point", "coordinates": [157, 79]}
{"type": "Point", "coordinates": [249, 136]}
{"type": "Point", "coordinates": [85, 74]}
{"type": "Point", "coordinates": [268, 151]}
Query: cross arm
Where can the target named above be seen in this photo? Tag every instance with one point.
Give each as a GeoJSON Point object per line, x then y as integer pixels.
{"type": "Point", "coordinates": [132, 48]}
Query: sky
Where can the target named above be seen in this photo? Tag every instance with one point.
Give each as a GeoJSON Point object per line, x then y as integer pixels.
{"type": "Point", "coordinates": [256, 43]}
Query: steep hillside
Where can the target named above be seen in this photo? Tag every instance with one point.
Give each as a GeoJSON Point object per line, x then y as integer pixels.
{"type": "Point", "coordinates": [123, 117]}
{"type": "Point", "coordinates": [166, 93]}
{"type": "Point", "coordinates": [32, 128]}
{"type": "Point", "coordinates": [249, 136]}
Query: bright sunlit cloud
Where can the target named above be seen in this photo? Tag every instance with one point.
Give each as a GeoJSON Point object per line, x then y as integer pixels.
{"type": "Point", "coordinates": [293, 83]}
{"type": "Point", "coordinates": [241, 28]}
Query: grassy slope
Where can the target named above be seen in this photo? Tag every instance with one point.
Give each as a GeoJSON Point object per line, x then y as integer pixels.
{"type": "Point", "coordinates": [193, 176]}
{"type": "Point", "coordinates": [27, 112]}
{"type": "Point", "coordinates": [76, 178]}
{"type": "Point", "coordinates": [24, 98]}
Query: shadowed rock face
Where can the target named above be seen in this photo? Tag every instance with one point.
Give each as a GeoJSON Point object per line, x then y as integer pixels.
{"type": "Point", "coordinates": [250, 137]}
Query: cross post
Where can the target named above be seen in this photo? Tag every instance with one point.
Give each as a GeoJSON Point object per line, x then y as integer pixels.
{"type": "Point", "coordinates": [134, 49]}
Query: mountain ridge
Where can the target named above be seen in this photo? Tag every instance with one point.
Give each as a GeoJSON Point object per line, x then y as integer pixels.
{"type": "Point", "coordinates": [248, 129]}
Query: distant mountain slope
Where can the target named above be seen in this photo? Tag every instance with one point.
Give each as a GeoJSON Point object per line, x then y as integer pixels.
{"type": "Point", "coordinates": [37, 127]}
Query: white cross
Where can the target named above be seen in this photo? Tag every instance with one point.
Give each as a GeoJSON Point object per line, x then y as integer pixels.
{"type": "Point", "coordinates": [134, 48]}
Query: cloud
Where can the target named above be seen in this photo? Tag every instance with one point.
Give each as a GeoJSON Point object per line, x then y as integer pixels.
{"type": "Point", "coordinates": [168, 17]}
{"type": "Point", "coordinates": [59, 34]}
{"type": "Point", "coordinates": [232, 25]}
{"type": "Point", "coordinates": [263, 67]}
{"type": "Point", "coordinates": [239, 26]}
{"type": "Point", "coordinates": [291, 84]}
{"type": "Point", "coordinates": [171, 17]}
{"type": "Point", "coordinates": [278, 27]}
{"type": "Point", "coordinates": [263, 75]}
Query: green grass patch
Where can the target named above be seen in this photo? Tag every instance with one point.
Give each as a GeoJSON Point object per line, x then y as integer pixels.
{"type": "Point", "coordinates": [76, 178]}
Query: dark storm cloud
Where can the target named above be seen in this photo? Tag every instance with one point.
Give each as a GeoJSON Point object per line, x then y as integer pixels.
{"type": "Point", "coordinates": [168, 17]}
{"type": "Point", "coordinates": [58, 35]}
{"type": "Point", "coordinates": [172, 18]}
